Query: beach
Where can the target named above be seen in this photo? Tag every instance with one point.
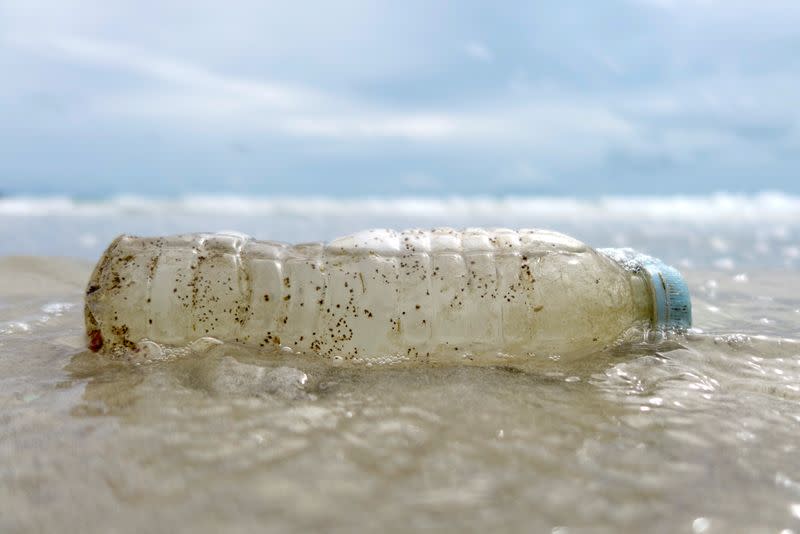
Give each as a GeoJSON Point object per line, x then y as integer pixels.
{"type": "Point", "coordinates": [692, 433]}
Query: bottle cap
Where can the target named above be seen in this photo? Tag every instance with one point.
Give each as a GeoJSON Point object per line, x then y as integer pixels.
{"type": "Point", "coordinates": [672, 305]}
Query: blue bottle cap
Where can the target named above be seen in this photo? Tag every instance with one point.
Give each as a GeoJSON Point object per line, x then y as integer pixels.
{"type": "Point", "coordinates": [672, 305]}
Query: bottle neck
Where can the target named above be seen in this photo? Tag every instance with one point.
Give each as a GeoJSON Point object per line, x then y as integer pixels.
{"type": "Point", "coordinates": [643, 299]}
{"type": "Point", "coordinates": [670, 306]}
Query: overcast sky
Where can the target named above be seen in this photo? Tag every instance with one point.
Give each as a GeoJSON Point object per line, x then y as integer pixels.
{"type": "Point", "coordinates": [412, 97]}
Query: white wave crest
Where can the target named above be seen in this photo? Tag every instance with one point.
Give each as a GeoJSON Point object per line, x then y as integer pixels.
{"type": "Point", "coordinates": [719, 207]}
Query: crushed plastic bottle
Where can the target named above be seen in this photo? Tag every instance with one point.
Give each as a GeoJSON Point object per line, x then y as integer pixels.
{"type": "Point", "coordinates": [381, 294]}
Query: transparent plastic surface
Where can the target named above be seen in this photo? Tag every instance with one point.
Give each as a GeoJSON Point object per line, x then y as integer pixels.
{"type": "Point", "coordinates": [379, 295]}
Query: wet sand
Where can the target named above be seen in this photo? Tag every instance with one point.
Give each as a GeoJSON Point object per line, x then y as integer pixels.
{"type": "Point", "coordinates": [693, 434]}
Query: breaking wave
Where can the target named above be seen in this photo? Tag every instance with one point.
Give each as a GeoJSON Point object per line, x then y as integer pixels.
{"type": "Point", "coordinates": [719, 207]}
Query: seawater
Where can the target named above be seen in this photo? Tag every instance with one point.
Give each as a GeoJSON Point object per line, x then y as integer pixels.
{"type": "Point", "coordinates": [694, 433]}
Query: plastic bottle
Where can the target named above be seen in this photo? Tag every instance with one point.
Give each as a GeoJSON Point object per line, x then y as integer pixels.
{"type": "Point", "coordinates": [382, 295]}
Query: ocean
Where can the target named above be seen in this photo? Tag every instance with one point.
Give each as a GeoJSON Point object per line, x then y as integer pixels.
{"type": "Point", "coordinates": [689, 433]}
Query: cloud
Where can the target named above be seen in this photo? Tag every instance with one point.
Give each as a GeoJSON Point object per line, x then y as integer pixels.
{"type": "Point", "coordinates": [478, 52]}
{"type": "Point", "coordinates": [676, 4]}
{"type": "Point", "coordinates": [410, 126]}
{"type": "Point", "coordinates": [180, 90]}
{"type": "Point", "coordinates": [171, 71]}
{"type": "Point", "coordinates": [679, 86]}
{"type": "Point", "coordinates": [190, 92]}
{"type": "Point", "coordinates": [420, 181]}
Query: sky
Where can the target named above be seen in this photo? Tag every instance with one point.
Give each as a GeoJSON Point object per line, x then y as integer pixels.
{"type": "Point", "coordinates": [383, 98]}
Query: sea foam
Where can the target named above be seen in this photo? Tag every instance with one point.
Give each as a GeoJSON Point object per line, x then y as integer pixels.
{"type": "Point", "coordinates": [718, 207]}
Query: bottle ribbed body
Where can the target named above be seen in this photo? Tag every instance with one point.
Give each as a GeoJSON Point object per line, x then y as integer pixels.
{"type": "Point", "coordinates": [416, 294]}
